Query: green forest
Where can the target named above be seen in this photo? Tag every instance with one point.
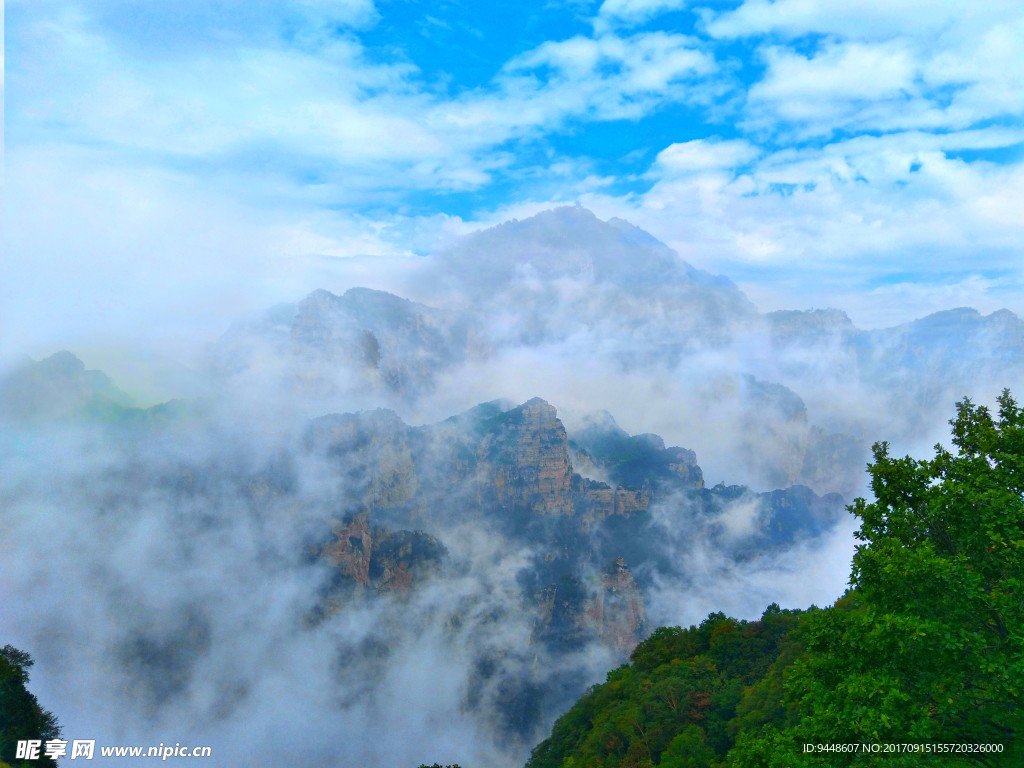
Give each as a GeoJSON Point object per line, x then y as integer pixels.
{"type": "Point", "coordinates": [921, 662]}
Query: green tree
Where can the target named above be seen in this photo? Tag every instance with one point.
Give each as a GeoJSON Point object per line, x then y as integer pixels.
{"type": "Point", "coordinates": [674, 705]}
{"type": "Point", "coordinates": [21, 717]}
{"type": "Point", "coordinates": [689, 749]}
{"type": "Point", "coordinates": [928, 646]}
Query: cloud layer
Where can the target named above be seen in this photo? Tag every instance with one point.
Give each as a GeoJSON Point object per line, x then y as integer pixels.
{"type": "Point", "coordinates": [821, 154]}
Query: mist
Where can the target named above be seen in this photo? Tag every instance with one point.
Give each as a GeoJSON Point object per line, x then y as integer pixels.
{"type": "Point", "coordinates": [365, 542]}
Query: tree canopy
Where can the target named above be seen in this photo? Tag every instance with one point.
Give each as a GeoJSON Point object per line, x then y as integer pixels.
{"type": "Point", "coordinates": [931, 649]}
{"type": "Point", "coordinates": [21, 717]}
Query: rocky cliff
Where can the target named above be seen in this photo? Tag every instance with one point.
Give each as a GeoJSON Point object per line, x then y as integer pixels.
{"type": "Point", "coordinates": [511, 470]}
{"type": "Point", "coordinates": [524, 461]}
{"type": "Point", "coordinates": [617, 609]}
{"type": "Point", "coordinates": [374, 557]}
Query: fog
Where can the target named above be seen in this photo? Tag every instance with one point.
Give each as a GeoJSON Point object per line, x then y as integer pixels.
{"type": "Point", "coordinates": [282, 281]}
{"type": "Point", "coordinates": [168, 570]}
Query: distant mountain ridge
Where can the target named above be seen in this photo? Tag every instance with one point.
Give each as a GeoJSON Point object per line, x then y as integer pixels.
{"type": "Point", "coordinates": [381, 340]}
{"type": "Point", "coordinates": [565, 272]}
{"type": "Point", "coordinates": [355, 483]}
{"type": "Point", "coordinates": [57, 387]}
{"type": "Point", "coordinates": [907, 368]}
{"type": "Point", "coordinates": [806, 391]}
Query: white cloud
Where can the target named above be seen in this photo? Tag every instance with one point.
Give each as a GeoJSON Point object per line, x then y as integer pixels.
{"type": "Point", "coordinates": [608, 77]}
{"type": "Point", "coordinates": [198, 181]}
{"type": "Point", "coordinates": [861, 19]}
{"type": "Point", "coordinates": [704, 155]}
{"type": "Point", "coordinates": [636, 11]}
{"type": "Point", "coordinates": [818, 227]}
{"type": "Point", "coordinates": [900, 302]}
{"type": "Point", "coordinates": [882, 66]}
{"type": "Point", "coordinates": [267, 141]}
{"type": "Point", "coordinates": [834, 85]}
{"type": "Point", "coordinates": [886, 86]}
{"type": "Point", "coordinates": [158, 258]}
{"type": "Point", "coordinates": [271, 108]}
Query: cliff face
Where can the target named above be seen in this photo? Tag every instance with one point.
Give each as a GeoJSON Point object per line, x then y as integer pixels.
{"type": "Point", "coordinates": [524, 461]}
{"type": "Point", "coordinates": [352, 550]}
{"type": "Point", "coordinates": [387, 561]}
{"type": "Point", "coordinates": [510, 462]}
{"type": "Point", "coordinates": [637, 462]}
{"type": "Point", "coordinates": [598, 501]}
{"type": "Point", "coordinates": [617, 610]}
{"type": "Point", "coordinates": [511, 471]}
{"type": "Point", "coordinates": [608, 607]}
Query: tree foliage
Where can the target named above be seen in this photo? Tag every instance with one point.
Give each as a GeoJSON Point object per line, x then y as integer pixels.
{"type": "Point", "coordinates": [931, 649]}
{"type": "Point", "coordinates": [21, 717]}
{"type": "Point", "coordinates": [680, 700]}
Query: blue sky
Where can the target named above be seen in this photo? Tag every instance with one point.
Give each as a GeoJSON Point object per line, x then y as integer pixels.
{"type": "Point", "coordinates": [186, 161]}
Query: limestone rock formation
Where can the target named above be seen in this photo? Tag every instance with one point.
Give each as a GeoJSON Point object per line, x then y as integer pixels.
{"type": "Point", "coordinates": [387, 561]}
{"type": "Point", "coordinates": [511, 471]}
{"type": "Point", "coordinates": [524, 461]}
{"type": "Point", "coordinates": [617, 610]}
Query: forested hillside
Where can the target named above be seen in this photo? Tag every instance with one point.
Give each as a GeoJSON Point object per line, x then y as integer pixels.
{"type": "Point", "coordinates": [920, 663]}
{"type": "Point", "coordinates": [684, 698]}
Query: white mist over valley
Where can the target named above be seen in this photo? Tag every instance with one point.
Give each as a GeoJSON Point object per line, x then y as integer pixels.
{"type": "Point", "coordinates": [375, 377]}
{"type": "Point", "coordinates": [447, 520]}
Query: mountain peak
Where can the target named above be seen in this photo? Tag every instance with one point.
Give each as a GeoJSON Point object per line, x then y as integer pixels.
{"type": "Point", "coordinates": [539, 409]}
{"type": "Point", "coordinates": [63, 365]}
{"type": "Point", "coordinates": [565, 242]}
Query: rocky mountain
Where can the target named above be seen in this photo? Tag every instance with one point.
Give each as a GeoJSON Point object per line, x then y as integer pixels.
{"type": "Point", "coordinates": [527, 282]}
{"type": "Point", "coordinates": [564, 271]}
{"type": "Point", "coordinates": [512, 470]}
{"type": "Point", "coordinates": [367, 556]}
{"type": "Point", "coordinates": [58, 391]}
{"type": "Point", "coordinates": [900, 375]}
{"type": "Point", "coordinates": [562, 535]}
{"type": "Point", "coordinates": [946, 345]}
{"type": "Point", "coordinates": [804, 393]}
{"type": "Point", "coordinates": [514, 550]}
{"type": "Point", "coordinates": [568, 242]}
{"type": "Point", "coordinates": [593, 548]}
{"type": "Point", "coordinates": [362, 339]}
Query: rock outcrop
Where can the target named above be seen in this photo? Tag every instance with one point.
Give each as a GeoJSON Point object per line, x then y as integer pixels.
{"type": "Point", "coordinates": [387, 561]}
{"type": "Point", "coordinates": [617, 610]}
{"type": "Point", "coordinates": [599, 501]}
{"type": "Point", "coordinates": [524, 461]}
{"type": "Point", "coordinates": [636, 462]}
{"type": "Point", "coordinates": [511, 472]}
